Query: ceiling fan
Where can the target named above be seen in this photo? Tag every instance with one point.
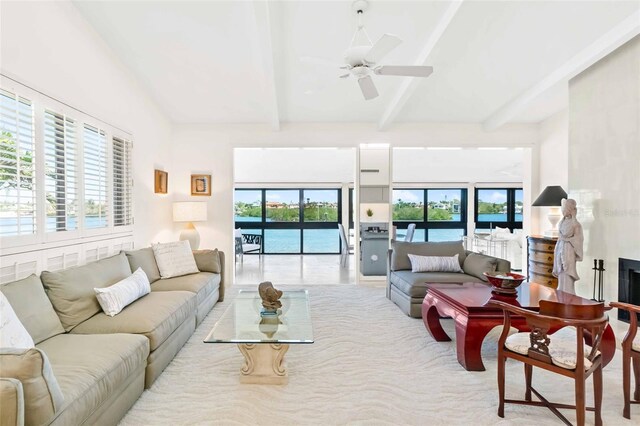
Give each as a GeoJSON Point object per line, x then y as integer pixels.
{"type": "Point", "coordinates": [362, 59]}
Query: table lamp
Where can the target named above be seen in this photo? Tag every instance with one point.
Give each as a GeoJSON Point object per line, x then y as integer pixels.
{"type": "Point", "coordinates": [190, 211]}
{"type": "Point", "coordinates": [551, 197]}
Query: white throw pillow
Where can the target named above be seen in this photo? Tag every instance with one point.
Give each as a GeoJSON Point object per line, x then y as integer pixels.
{"type": "Point", "coordinates": [115, 298]}
{"type": "Point", "coordinates": [174, 259]}
{"type": "Point", "coordinates": [434, 263]}
{"type": "Point", "coordinates": [12, 332]}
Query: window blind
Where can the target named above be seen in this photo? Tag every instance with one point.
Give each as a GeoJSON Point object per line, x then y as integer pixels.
{"type": "Point", "coordinates": [61, 179]}
{"type": "Point", "coordinates": [95, 178]}
{"type": "Point", "coordinates": [17, 166]}
{"type": "Point", "coordinates": [122, 182]}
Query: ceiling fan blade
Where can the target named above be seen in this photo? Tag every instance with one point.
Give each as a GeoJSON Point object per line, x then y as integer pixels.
{"type": "Point", "coordinates": [408, 70]}
{"type": "Point", "coordinates": [368, 88]}
{"type": "Point", "coordinates": [379, 50]}
{"type": "Point", "coordinates": [345, 75]}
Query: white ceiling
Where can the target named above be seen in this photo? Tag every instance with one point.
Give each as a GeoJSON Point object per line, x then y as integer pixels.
{"type": "Point", "coordinates": [204, 61]}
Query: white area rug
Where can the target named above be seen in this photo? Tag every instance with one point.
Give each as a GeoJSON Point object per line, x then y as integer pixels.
{"type": "Point", "coordinates": [370, 364]}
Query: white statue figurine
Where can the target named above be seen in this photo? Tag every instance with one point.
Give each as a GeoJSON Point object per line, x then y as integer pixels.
{"type": "Point", "coordinates": [569, 247]}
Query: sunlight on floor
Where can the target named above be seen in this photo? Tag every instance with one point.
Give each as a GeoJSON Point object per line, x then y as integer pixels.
{"type": "Point", "coordinates": [294, 269]}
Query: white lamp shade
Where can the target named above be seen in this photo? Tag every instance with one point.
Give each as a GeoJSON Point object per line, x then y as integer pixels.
{"type": "Point", "coordinates": [190, 211]}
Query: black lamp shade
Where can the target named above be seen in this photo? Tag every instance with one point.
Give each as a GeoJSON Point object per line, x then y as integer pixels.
{"type": "Point", "coordinates": [551, 197]}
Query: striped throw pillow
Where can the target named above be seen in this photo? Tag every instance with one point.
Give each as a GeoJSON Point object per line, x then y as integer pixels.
{"type": "Point", "coordinates": [434, 263]}
{"type": "Point", "coordinates": [115, 298]}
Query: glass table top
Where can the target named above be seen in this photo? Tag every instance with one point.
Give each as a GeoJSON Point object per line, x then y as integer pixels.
{"type": "Point", "coordinates": [242, 323]}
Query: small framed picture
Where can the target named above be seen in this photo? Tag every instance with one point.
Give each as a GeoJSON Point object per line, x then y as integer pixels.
{"type": "Point", "coordinates": [200, 184]}
{"type": "Point", "coordinates": [161, 182]}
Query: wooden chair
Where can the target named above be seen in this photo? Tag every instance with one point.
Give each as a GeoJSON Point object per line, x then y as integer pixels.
{"type": "Point", "coordinates": [563, 353]}
{"type": "Point", "coordinates": [630, 353]}
{"type": "Point", "coordinates": [346, 248]}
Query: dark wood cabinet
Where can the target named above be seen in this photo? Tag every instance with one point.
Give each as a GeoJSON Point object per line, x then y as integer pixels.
{"type": "Point", "coordinates": [540, 260]}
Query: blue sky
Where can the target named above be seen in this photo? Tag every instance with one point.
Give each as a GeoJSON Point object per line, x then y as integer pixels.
{"type": "Point", "coordinates": [287, 196]}
{"type": "Point", "coordinates": [417, 195]}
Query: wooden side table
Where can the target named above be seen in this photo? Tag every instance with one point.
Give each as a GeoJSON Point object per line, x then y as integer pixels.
{"type": "Point", "coordinates": [540, 260]}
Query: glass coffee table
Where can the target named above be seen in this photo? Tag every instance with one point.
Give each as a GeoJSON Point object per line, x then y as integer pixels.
{"type": "Point", "coordinates": [264, 340]}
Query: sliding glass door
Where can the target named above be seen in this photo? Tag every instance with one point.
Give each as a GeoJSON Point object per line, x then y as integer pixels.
{"type": "Point", "coordinates": [291, 221]}
{"type": "Point", "coordinates": [439, 214]}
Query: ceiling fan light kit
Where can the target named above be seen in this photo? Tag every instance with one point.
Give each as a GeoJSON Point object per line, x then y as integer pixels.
{"type": "Point", "coordinates": [361, 59]}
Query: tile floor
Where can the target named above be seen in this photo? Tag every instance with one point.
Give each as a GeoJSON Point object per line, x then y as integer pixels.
{"type": "Point", "coordinates": [294, 269]}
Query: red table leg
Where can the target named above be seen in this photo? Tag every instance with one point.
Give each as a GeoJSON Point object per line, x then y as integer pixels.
{"type": "Point", "coordinates": [469, 338]}
{"type": "Point", "coordinates": [431, 319]}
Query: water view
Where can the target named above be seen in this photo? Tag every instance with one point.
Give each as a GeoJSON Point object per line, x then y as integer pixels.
{"type": "Point", "coordinates": [260, 211]}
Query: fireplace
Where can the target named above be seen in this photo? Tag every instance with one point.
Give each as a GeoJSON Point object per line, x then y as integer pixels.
{"type": "Point", "coordinates": [628, 285]}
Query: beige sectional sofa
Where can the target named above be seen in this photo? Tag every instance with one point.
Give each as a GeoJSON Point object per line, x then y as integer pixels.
{"type": "Point", "coordinates": [89, 368]}
{"type": "Point", "coordinates": [407, 289]}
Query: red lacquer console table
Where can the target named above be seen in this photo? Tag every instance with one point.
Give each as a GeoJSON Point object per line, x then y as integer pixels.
{"type": "Point", "coordinates": [467, 304]}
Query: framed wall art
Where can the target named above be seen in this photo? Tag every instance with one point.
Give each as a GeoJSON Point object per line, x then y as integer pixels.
{"type": "Point", "coordinates": [200, 184]}
{"type": "Point", "coordinates": [161, 180]}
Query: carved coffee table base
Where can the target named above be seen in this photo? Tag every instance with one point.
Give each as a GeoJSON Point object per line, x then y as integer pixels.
{"type": "Point", "coordinates": [264, 363]}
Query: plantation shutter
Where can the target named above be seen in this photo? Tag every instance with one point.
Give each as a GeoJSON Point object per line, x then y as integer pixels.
{"type": "Point", "coordinates": [17, 166]}
{"type": "Point", "coordinates": [61, 179]}
{"type": "Point", "coordinates": [95, 178]}
{"type": "Point", "coordinates": [122, 183]}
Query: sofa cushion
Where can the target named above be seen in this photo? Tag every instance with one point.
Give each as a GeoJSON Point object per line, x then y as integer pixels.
{"type": "Point", "coordinates": [91, 368]}
{"type": "Point", "coordinates": [400, 254]}
{"type": "Point", "coordinates": [43, 397]}
{"type": "Point", "coordinates": [71, 290]}
{"type": "Point", "coordinates": [12, 332]}
{"type": "Point", "coordinates": [476, 264]}
{"type": "Point", "coordinates": [203, 284]}
{"type": "Point", "coordinates": [33, 307]}
{"type": "Point", "coordinates": [414, 284]}
{"type": "Point", "coordinates": [155, 316]}
{"type": "Point", "coordinates": [207, 260]}
{"type": "Point", "coordinates": [144, 259]}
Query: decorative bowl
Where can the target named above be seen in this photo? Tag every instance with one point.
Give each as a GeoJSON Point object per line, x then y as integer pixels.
{"type": "Point", "coordinates": [504, 282]}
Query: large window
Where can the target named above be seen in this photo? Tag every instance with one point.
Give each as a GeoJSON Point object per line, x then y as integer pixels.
{"type": "Point", "coordinates": [498, 207]}
{"type": "Point", "coordinates": [291, 221]}
{"type": "Point", "coordinates": [83, 172]}
{"type": "Point", "coordinates": [17, 166]}
{"type": "Point", "coordinates": [61, 172]}
{"type": "Point", "coordinates": [439, 214]}
{"type": "Point", "coordinates": [122, 182]}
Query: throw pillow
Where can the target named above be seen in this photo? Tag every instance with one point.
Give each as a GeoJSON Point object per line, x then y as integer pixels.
{"type": "Point", "coordinates": [115, 298]}
{"type": "Point", "coordinates": [207, 260]}
{"type": "Point", "coordinates": [174, 259]}
{"type": "Point", "coordinates": [401, 250]}
{"type": "Point", "coordinates": [12, 332]}
{"type": "Point", "coordinates": [476, 264]}
{"type": "Point", "coordinates": [434, 263]}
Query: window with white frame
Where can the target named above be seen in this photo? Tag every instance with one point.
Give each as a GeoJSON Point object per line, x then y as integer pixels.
{"type": "Point", "coordinates": [122, 209]}
{"type": "Point", "coordinates": [17, 166]}
{"type": "Point", "coordinates": [95, 178]}
{"type": "Point", "coordinates": [61, 173]}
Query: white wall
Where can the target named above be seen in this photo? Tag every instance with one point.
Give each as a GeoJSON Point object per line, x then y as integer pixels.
{"type": "Point", "coordinates": [51, 48]}
{"type": "Point", "coordinates": [604, 162]}
{"type": "Point", "coordinates": [458, 166]}
{"type": "Point", "coordinates": [552, 163]}
{"type": "Point", "coordinates": [302, 165]}
{"type": "Point", "coordinates": [210, 149]}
